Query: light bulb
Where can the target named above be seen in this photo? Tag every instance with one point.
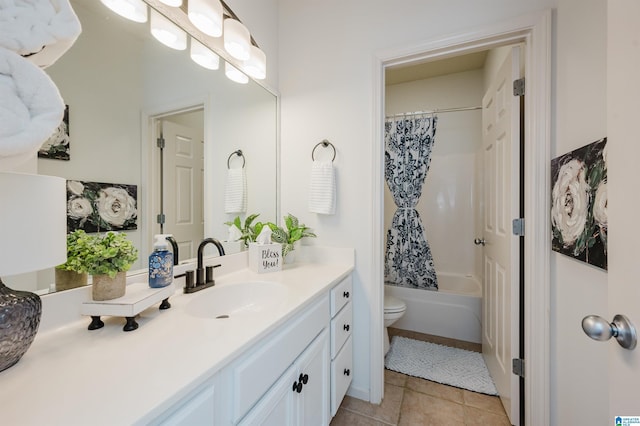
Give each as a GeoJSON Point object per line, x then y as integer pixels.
{"type": "Point", "coordinates": [167, 33]}
{"type": "Point", "coordinates": [256, 65]}
{"type": "Point", "coordinates": [203, 56]}
{"type": "Point", "coordinates": [206, 15]}
{"type": "Point", "coordinates": [234, 74]}
{"type": "Point", "coordinates": [236, 39]}
{"type": "Point", "coordinates": [134, 10]}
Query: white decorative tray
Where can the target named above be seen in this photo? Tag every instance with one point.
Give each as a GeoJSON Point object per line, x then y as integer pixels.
{"type": "Point", "coordinates": [139, 296]}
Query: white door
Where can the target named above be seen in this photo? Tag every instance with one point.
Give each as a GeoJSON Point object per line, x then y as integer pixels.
{"type": "Point", "coordinates": [183, 186]}
{"type": "Point", "coordinates": [623, 152]}
{"type": "Point", "coordinates": [500, 140]}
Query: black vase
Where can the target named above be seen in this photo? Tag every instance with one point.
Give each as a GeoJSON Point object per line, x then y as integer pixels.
{"type": "Point", "coordinates": [20, 313]}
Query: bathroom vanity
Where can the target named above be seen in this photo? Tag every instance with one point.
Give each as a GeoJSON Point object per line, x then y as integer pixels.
{"type": "Point", "coordinates": [254, 349]}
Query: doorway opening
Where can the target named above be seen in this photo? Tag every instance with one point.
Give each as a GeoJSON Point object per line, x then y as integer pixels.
{"type": "Point", "coordinates": [534, 32]}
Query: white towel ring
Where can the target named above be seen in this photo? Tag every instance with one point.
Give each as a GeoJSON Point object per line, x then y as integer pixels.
{"type": "Point", "coordinates": [325, 143]}
{"type": "Point", "coordinates": [239, 154]}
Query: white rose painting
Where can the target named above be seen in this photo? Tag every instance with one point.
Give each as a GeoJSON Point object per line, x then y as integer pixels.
{"type": "Point", "coordinates": [579, 204]}
{"type": "Point", "coordinates": [98, 207]}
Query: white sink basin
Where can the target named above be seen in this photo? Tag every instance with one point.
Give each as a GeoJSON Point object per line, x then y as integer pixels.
{"type": "Point", "coordinates": [243, 298]}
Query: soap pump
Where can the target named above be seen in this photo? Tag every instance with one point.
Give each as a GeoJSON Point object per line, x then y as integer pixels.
{"type": "Point", "coordinates": [160, 263]}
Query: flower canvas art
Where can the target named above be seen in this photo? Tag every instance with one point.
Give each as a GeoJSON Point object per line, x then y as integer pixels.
{"type": "Point", "coordinates": [57, 147]}
{"type": "Point", "coordinates": [579, 204]}
{"type": "Point", "coordinates": [98, 207]}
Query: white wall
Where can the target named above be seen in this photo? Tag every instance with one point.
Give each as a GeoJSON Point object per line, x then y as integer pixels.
{"type": "Point", "coordinates": [448, 205]}
{"type": "Point", "coordinates": [577, 289]}
{"type": "Point", "coordinates": [327, 52]}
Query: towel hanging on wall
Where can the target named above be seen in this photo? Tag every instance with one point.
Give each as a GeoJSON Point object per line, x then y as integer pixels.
{"type": "Point", "coordinates": [235, 192]}
{"type": "Point", "coordinates": [322, 188]}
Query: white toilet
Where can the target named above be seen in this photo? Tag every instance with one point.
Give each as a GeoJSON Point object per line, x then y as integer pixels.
{"type": "Point", "coordinates": [394, 309]}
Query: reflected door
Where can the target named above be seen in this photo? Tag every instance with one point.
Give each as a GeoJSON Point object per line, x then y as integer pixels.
{"type": "Point", "coordinates": [500, 138]}
{"type": "Point", "coordinates": [183, 193]}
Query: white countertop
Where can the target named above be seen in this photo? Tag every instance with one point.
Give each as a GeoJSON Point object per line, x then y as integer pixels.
{"type": "Point", "coordinates": [74, 376]}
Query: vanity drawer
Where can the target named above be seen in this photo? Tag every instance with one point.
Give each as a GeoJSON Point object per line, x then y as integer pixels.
{"type": "Point", "coordinates": [340, 295]}
{"type": "Point", "coordinates": [341, 373]}
{"type": "Point", "coordinates": [341, 328]}
{"type": "Point", "coordinates": [254, 374]}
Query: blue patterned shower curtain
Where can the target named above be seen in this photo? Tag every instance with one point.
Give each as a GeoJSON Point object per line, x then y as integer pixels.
{"type": "Point", "coordinates": [408, 145]}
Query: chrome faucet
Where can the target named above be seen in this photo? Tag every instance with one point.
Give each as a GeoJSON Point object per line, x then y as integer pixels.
{"type": "Point", "coordinates": [174, 249]}
{"type": "Point", "coordinates": [203, 280]}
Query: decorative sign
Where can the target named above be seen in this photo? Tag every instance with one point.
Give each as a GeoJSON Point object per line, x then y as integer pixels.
{"type": "Point", "coordinates": [265, 257]}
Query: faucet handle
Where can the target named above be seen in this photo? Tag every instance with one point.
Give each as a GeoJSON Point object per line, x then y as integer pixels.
{"type": "Point", "coordinates": [209, 273]}
{"type": "Point", "coordinates": [188, 279]}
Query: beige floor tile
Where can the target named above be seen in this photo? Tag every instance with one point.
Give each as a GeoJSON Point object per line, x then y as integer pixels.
{"type": "Point", "coordinates": [483, 402]}
{"type": "Point", "coordinates": [387, 412]}
{"type": "Point", "coordinates": [394, 378]}
{"type": "Point", "coordinates": [435, 389]}
{"type": "Point", "coordinates": [477, 417]}
{"type": "Point", "coordinates": [349, 418]}
{"type": "Point", "coordinates": [426, 410]}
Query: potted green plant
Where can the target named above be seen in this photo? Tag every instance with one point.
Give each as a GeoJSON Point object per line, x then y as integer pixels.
{"type": "Point", "coordinates": [71, 274]}
{"type": "Point", "coordinates": [249, 232]}
{"type": "Point", "coordinates": [295, 231]}
{"type": "Point", "coordinates": [107, 258]}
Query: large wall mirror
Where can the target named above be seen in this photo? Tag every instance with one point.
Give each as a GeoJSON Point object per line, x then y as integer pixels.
{"type": "Point", "coordinates": [124, 89]}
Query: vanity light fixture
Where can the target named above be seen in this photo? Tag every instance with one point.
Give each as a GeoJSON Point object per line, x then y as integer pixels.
{"type": "Point", "coordinates": [134, 10]}
{"type": "Point", "coordinates": [203, 56]}
{"type": "Point", "coordinates": [206, 15]}
{"type": "Point", "coordinates": [234, 74]}
{"type": "Point", "coordinates": [237, 39]}
{"type": "Point", "coordinates": [167, 33]}
{"type": "Point", "coordinates": [256, 65]}
{"type": "Point", "coordinates": [172, 3]}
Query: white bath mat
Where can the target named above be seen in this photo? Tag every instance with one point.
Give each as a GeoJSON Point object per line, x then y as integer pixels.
{"type": "Point", "coordinates": [442, 364]}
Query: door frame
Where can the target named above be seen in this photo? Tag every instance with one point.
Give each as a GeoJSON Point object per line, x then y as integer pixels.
{"type": "Point", "coordinates": [150, 160]}
{"type": "Point", "coordinates": [535, 31]}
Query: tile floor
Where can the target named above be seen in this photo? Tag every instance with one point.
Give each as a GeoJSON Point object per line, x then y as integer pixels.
{"type": "Point", "coordinates": [414, 401]}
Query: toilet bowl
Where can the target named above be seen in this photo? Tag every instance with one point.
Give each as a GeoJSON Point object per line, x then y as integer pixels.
{"type": "Point", "coordinates": [394, 309]}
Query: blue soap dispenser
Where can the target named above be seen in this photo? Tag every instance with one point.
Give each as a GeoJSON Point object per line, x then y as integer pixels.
{"type": "Point", "coordinates": [160, 263]}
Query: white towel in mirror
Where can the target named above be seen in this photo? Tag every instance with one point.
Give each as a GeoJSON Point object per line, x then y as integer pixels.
{"type": "Point", "coordinates": [322, 189]}
{"type": "Point", "coordinates": [235, 192]}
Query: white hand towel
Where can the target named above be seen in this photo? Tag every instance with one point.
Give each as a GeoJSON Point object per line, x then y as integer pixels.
{"type": "Point", "coordinates": [235, 193]}
{"type": "Point", "coordinates": [39, 30]}
{"type": "Point", "coordinates": [322, 190]}
{"type": "Point", "coordinates": [30, 108]}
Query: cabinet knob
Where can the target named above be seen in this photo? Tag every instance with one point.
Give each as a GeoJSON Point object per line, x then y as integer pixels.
{"type": "Point", "coordinates": [347, 372]}
{"type": "Point", "coordinates": [346, 327]}
{"type": "Point", "coordinates": [305, 378]}
{"type": "Point", "coordinates": [297, 387]}
{"type": "Point", "coordinates": [345, 294]}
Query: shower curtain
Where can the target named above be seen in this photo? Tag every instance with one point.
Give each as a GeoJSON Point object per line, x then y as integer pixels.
{"type": "Point", "coordinates": [408, 145]}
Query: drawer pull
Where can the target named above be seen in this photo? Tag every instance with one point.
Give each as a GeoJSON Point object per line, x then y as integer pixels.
{"type": "Point", "coordinates": [345, 294]}
{"type": "Point", "coordinates": [304, 379]}
{"type": "Point", "coordinates": [346, 327]}
{"type": "Point", "coordinates": [347, 372]}
{"type": "Point", "coordinates": [297, 387]}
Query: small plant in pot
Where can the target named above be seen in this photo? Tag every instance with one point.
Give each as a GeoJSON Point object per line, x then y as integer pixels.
{"type": "Point", "coordinates": [248, 230]}
{"type": "Point", "coordinates": [107, 259]}
{"type": "Point", "coordinates": [71, 274]}
{"type": "Point", "coordinates": [295, 231]}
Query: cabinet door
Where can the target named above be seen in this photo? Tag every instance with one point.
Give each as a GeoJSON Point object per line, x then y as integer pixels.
{"type": "Point", "coordinates": [197, 409]}
{"type": "Point", "coordinates": [313, 407]}
{"type": "Point", "coordinates": [276, 408]}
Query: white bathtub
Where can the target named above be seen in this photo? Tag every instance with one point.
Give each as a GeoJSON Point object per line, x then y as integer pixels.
{"type": "Point", "coordinates": [454, 311]}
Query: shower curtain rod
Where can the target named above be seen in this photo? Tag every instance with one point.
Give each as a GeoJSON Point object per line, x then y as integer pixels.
{"type": "Point", "coordinates": [435, 111]}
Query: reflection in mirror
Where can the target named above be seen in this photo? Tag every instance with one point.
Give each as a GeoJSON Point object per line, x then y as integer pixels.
{"type": "Point", "coordinates": [124, 89]}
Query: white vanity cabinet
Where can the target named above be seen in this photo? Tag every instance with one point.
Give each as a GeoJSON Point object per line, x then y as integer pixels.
{"type": "Point", "coordinates": [197, 409]}
{"type": "Point", "coordinates": [341, 341]}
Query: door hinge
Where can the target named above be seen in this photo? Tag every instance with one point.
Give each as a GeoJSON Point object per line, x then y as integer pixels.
{"type": "Point", "coordinates": [518, 367]}
{"type": "Point", "coordinates": [518, 87]}
{"type": "Point", "coordinates": [518, 226]}
{"type": "Point", "coordinates": [161, 219]}
{"type": "Point", "coordinates": [160, 142]}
